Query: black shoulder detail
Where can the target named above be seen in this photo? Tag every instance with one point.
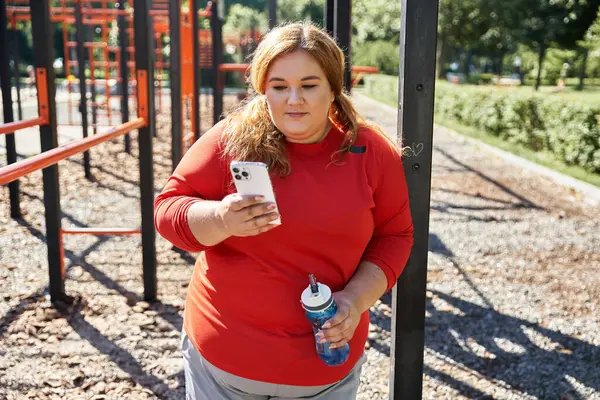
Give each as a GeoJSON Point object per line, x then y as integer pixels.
{"type": "Point", "coordinates": [358, 149]}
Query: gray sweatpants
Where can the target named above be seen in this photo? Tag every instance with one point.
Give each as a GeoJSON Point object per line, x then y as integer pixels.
{"type": "Point", "coordinates": [204, 381]}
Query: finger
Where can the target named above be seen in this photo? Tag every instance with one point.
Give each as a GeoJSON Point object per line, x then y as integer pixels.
{"type": "Point", "coordinates": [341, 331]}
{"type": "Point", "coordinates": [339, 344]}
{"type": "Point", "coordinates": [260, 221]}
{"type": "Point", "coordinates": [240, 202]}
{"type": "Point", "coordinates": [258, 210]}
{"type": "Point", "coordinates": [260, 230]}
{"type": "Point", "coordinates": [341, 315]}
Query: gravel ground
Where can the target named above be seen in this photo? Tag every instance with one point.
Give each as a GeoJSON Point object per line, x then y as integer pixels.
{"type": "Point", "coordinates": [512, 302]}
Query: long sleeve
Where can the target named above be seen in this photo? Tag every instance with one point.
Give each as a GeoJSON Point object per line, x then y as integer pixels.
{"type": "Point", "coordinates": [200, 175]}
{"type": "Point", "coordinates": [392, 239]}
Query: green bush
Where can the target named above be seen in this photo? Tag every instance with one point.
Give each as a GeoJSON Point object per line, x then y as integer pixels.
{"type": "Point", "coordinates": [480, 79]}
{"type": "Point", "coordinates": [381, 54]}
{"type": "Point", "coordinates": [570, 130]}
{"type": "Point", "coordinates": [383, 88]}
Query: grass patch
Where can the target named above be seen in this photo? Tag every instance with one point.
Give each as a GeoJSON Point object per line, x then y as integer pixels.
{"type": "Point", "coordinates": [543, 158]}
{"type": "Point", "coordinates": [590, 95]}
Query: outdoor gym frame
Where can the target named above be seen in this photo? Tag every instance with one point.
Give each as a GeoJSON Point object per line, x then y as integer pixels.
{"type": "Point", "coordinates": [51, 153]}
{"type": "Point", "coordinates": [415, 128]}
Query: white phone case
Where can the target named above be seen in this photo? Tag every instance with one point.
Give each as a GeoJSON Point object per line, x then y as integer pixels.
{"type": "Point", "coordinates": [252, 178]}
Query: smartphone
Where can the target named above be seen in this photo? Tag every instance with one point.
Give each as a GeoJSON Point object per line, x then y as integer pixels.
{"type": "Point", "coordinates": [252, 178]}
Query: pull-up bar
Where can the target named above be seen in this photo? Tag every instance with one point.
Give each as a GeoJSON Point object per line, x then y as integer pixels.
{"type": "Point", "coordinates": [10, 127]}
{"type": "Point", "coordinates": [19, 169]}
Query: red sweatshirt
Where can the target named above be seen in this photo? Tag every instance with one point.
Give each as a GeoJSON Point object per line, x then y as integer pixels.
{"type": "Point", "coordinates": [243, 310]}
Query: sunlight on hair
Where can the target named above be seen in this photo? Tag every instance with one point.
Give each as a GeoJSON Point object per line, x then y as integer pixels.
{"type": "Point", "coordinates": [250, 134]}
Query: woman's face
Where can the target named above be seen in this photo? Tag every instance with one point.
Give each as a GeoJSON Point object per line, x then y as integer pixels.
{"type": "Point", "coordinates": [299, 97]}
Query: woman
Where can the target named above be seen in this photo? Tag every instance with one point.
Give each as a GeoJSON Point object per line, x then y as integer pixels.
{"type": "Point", "coordinates": [342, 197]}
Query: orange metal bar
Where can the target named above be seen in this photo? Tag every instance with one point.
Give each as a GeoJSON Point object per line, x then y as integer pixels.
{"type": "Point", "coordinates": [365, 70]}
{"type": "Point", "coordinates": [61, 250]}
{"type": "Point", "coordinates": [158, 12]}
{"type": "Point", "coordinates": [101, 231]}
{"type": "Point", "coordinates": [142, 87]}
{"type": "Point", "coordinates": [11, 127]}
{"type": "Point", "coordinates": [131, 64]}
{"type": "Point", "coordinates": [42, 92]}
{"type": "Point", "coordinates": [21, 168]}
{"type": "Point", "coordinates": [234, 67]}
{"type": "Point", "coordinates": [96, 45]}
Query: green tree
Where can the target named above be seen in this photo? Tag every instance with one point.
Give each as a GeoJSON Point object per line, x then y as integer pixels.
{"type": "Point", "coordinates": [243, 18]}
{"type": "Point", "coordinates": [299, 10]}
{"type": "Point", "coordinates": [590, 42]}
{"type": "Point", "coordinates": [376, 20]}
{"type": "Point", "coordinates": [559, 23]}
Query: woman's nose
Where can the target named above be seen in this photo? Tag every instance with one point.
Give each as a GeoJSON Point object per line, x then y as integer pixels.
{"type": "Point", "coordinates": [295, 97]}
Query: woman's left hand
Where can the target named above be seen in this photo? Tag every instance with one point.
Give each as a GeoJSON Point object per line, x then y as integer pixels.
{"type": "Point", "coordinates": [340, 328]}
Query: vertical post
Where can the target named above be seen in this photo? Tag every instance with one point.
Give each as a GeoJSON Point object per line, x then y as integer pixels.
{"type": "Point", "coordinates": [43, 57]}
{"type": "Point", "coordinates": [7, 106]}
{"type": "Point", "coordinates": [216, 25]}
{"type": "Point", "coordinates": [415, 126]}
{"type": "Point", "coordinates": [343, 33]}
{"type": "Point", "coordinates": [17, 62]}
{"type": "Point", "coordinates": [154, 59]}
{"type": "Point", "coordinates": [272, 14]}
{"type": "Point", "coordinates": [328, 14]}
{"type": "Point", "coordinates": [145, 77]}
{"type": "Point", "coordinates": [194, 6]}
{"type": "Point", "coordinates": [92, 61]}
{"type": "Point", "coordinates": [123, 59]}
{"type": "Point", "coordinates": [175, 79]}
{"type": "Point", "coordinates": [79, 34]}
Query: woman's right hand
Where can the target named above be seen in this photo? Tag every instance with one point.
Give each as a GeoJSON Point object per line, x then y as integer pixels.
{"type": "Point", "coordinates": [244, 215]}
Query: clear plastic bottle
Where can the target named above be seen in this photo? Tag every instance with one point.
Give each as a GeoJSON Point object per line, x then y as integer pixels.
{"type": "Point", "coordinates": [319, 307]}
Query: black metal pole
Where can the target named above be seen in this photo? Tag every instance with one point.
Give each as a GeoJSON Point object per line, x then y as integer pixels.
{"type": "Point", "coordinates": [7, 106]}
{"type": "Point", "coordinates": [43, 57]}
{"type": "Point", "coordinates": [90, 38]}
{"type": "Point", "coordinates": [175, 80]}
{"type": "Point", "coordinates": [415, 128]}
{"type": "Point", "coordinates": [194, 4]}
{"type": "Point", "coordinates": [154, 57]}
{"type": "Point", "coordinates": [216, 25]}
{"type": "Point", "coordinates": [142, 25]}
{"type": "Point", "coordinates": [124, 58]}
{"type": "Point", "coordinates": [328, 14]}
{"type": "Point", "coordinates": [272, 13]}
{"type": "Point", "coordinates": [343, 33]}
{"type": "Point", "coordinates": [80, 37]}
{"type": "Point", "coordinates": [16, 62]}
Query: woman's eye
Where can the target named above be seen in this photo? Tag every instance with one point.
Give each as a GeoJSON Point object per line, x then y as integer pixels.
{"type": "Point", "coordinates": [279, 88]}
{"type": "Point", "coordinates": [309, 86]}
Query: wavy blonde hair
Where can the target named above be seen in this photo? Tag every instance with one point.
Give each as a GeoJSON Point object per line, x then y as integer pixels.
{"type": "Point", "coordinates": [250, 134]}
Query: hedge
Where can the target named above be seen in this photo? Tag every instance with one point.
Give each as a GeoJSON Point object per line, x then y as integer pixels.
{"type": "Point", "coordinates": [570, 130]}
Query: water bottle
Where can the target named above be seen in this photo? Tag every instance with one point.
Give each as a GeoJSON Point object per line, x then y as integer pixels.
{"type": "Point", "coordinates": [319, 307]}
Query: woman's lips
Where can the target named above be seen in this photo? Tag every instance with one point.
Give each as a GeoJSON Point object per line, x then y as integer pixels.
{"type": "Point", "coordinates": [296, 114]}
